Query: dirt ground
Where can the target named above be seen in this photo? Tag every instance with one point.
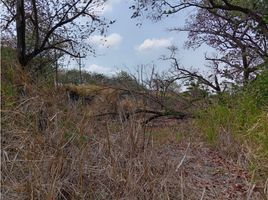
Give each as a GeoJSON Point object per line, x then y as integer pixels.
{"type": "Point", "coordinates": [205, 171]}
{"type": "Point", "coordinates": [206, 174]}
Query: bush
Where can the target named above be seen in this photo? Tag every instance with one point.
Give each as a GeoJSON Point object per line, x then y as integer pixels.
{"type": "Point", "coordinates": [242, 116]}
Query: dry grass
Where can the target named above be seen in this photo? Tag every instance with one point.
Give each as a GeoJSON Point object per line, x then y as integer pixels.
{"type": "Point", "coordinates": [55, 150]}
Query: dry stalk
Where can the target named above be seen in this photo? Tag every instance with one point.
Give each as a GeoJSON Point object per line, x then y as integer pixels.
{"type": "Point", "coordinates": [183, 158]}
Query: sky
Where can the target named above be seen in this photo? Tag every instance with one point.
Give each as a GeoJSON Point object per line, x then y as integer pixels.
{"type": "Point", "coordinates": [127, 45]}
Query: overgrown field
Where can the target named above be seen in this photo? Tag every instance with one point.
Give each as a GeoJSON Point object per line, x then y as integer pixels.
{"type": "Point", "coordinates": [239, 124]}
{"type": "Point", "coordinates": [56, 148]}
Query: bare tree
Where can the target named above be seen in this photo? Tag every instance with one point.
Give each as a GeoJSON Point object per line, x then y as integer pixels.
{"type": "Point", "coordinates": [179, 72]}
{"type": "Point", "coordinates": [237, 30]}
{"type": "Point", "coordinates": [252, 9]}
{"type": "Point", "coordinates": [44, 25]}
{"type": "Point", "coordinates": [242, 54]}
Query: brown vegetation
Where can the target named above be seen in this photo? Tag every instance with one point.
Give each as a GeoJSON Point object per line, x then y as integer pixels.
{"type": "Point", "coordinates": [52, 149]}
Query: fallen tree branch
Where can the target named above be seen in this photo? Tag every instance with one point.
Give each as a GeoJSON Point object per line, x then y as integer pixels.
{"type": "Point", "coordinates": [156, 114]}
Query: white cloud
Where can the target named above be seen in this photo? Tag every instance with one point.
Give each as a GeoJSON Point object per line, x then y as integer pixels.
{"type": "Point", "coordinates": [110, 4]}
{"type": "Point", "coordinates": [100, 69]}
{"type": "Point", "coordinates": [110, 41]}
{"type": "Point", "coordinates": [107, 6]}
{"type": "Point", "coordinates": [150, 44]}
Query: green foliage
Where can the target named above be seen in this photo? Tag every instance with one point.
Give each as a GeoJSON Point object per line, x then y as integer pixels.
{"type": "Point", "coordinates": [259, 89]}
{"type": "Point", "coordinates": [8, 61]}
{"type": "Point", "coordinates": [8, 56]}
{"type": "Point", "coordinates": [7, 84]}
{"type": "Point", "coordinates": [196, 90]}
{"type": "Point", "coordinates": [178, 137]}
{"type": "Point", "coordinates": [212, 119]}
{"type": "Point", "coordinates": [122, 79]}
{"type": "Point", "coordinates": [244, 115]}
{"type": "Point", "coordinates": [42, 68]}
{"type": "Point", "coordinates": [73, 76]}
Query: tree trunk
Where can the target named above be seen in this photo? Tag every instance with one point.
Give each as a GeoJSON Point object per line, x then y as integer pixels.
{"type": "Point", "coordinates": [246, 70]}
{"type": "Point", "coordinates": [80, 70]}
{"type": "Point", "coordinates": [20, 29]}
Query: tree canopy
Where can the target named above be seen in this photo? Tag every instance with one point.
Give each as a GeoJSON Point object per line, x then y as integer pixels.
{"type": "Point", "coordinates": [37, 27]}
{"type": "Point", "coordinates": [237, 30]}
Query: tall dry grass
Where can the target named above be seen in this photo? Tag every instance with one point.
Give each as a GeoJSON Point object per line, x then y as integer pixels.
{"type": "Point", "coordinates": [57, 150]}
{"type": "Point", "coordinates": [54, 149]}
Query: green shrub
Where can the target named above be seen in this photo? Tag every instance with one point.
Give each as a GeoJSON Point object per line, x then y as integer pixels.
{"type": "Point", "coordinates": [243, 115]}
{"type": "Point", "coordinates": [213, 119]}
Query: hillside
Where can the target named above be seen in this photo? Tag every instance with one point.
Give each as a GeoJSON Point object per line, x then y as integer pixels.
{"type": "Point", "coordinates": [134, 100]}
{"type": "Point", "coordinates": [57, 147]}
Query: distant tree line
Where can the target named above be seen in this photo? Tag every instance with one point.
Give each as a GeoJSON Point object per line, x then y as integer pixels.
{"type": "Point", "coordinates": [120, 79]}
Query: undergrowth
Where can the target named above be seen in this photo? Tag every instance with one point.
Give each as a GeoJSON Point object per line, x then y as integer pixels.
{"type": "Point", "coordinates": [239, 123]}
{"type": "Point", "coordinates": [52, 148]}
{"type": "Point", "coordinates": [56, 149]}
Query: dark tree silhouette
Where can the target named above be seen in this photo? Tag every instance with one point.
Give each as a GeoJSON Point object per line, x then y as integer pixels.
{"type": "Point", "coordinates": [178, 72]}
{"type": "Point", "coordinates": [242, 53]}
{"type": "Point", "coordinates": [255, 10]}
{"type": "Point", "coordinates": [44, 25]}
{"type": "Point", "coordinates": [238, 30]}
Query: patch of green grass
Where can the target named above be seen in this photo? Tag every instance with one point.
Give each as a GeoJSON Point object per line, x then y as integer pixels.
{"type": "Point", "coordinates": [211, 120]}
{"type": "Point", "coordinates": [164, 135]}
{"type": "Point", "coordinates": [245, 116]}
{"type": "Point", "coordinates": [178, 137]}
{"type": "Point", "coordinates": [81, 140]}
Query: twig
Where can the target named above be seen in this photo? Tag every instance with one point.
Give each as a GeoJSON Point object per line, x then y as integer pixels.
{"type": "Point", "coordinates": [25, 101]}
{"type": "Point", "coordinates": [54, 116]}
{"type": "Point", "coordinates": [203, 193]}
{"type": "Point", "coordinates": [182, 195]}
{"type": "Point", "coordinates": [69, 141]}
{"type": "Point", "coordinates": [251, 190]}
{"type": "Point", "coordinates": [184, 156]}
